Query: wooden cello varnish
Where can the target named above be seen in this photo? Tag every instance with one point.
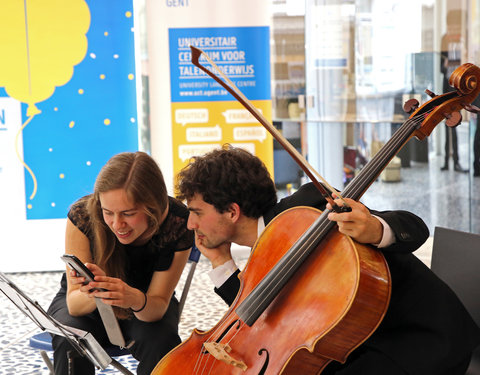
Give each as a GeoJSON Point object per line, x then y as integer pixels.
{"type": "Point", "coordinates": [340, 288]}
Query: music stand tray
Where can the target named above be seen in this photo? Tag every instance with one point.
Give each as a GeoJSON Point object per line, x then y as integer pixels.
{"type": "Point", "coordinates": [82, 341]}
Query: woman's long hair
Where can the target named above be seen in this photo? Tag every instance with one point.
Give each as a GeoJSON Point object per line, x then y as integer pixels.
{"type": "Point", "coordinates": [139, 175]}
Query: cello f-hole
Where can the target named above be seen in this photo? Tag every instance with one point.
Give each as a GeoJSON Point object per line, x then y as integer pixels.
{"type": "Point", "coordinates": [266, 362]}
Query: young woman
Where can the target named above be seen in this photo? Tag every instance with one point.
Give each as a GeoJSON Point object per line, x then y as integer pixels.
{"type": "Point", "coordinates": [134, 239]}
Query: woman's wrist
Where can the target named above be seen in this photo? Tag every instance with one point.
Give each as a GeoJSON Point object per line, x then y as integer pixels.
{"type": "Point", "coordinates": [144, 304]}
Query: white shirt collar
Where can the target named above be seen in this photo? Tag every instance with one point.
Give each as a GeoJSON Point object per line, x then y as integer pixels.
{"type": "Point", "coordinates": [260, 226]}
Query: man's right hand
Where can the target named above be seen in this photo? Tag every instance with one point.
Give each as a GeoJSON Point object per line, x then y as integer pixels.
{"type": "Point", "coordinates": [218, 255]}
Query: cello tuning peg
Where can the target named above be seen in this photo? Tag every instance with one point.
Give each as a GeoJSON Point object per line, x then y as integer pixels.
{"type": "Point", "coordinates": [472, 108]}
{"type": "Point", "coordinates": [410, 105]}
{"type": "Point", "coordinates": [453, 119]}
{"type": "Point", "coordinates": [430, 93]}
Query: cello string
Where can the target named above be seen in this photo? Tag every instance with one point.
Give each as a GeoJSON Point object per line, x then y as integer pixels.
{"type": "Point", "coordinates": [367, 174]}
{"type": "Point", "coordinates": [202, 365]}
{"type": "Point", "coordinates": [391, 145]}
{"type": "Point", "coordinates": [204, 354]}
{"type": "Point", "coordinates": [398, 137]}
{"type": "Point", "coordinates": [305, 247]}
{"type": "Point", "coordinates": [238, 322]}
{"type": "Point", "coordinates": [217, 333]}
{"type": "Point", "coordinates": [302, 249]}
{"type": "Point", "coordinates": [198, 362]}
{"type": "Point", "coordinates": [207, 359]}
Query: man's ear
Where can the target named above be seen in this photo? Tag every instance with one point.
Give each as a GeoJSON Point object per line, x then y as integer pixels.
{"type": "Point", "coordinates": [234, 212]}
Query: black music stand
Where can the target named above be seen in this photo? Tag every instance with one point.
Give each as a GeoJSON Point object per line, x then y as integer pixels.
{"type": "Point", "coordinates": [82, 341]}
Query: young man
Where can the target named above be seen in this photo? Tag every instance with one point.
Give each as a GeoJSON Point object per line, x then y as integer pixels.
{"type": "Point", "coordinates": [426, 329]}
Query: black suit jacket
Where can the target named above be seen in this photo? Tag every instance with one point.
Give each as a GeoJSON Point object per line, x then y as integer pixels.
{"type": "Point", "coordinates": [426, 329]}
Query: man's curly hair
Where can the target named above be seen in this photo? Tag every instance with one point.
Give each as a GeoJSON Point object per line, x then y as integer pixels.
{"type": "Point", "coordinates": [228, 175]}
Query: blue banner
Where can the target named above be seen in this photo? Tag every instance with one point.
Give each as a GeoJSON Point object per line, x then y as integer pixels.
{"type": "Point", "coordinates": [247, 64]}
{"type": "Point", "coordinates": [85, 121]}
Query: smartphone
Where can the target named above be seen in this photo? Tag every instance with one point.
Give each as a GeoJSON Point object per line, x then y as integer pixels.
{"type": "Point", "coordinates": [76, 264]}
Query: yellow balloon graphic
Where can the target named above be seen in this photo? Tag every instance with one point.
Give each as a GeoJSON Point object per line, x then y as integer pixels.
{"type": "Point", "coordinates": [41, 40]}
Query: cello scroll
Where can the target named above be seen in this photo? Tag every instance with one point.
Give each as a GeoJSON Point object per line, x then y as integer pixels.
{"type": "Point", "coordinates": [466, 81]}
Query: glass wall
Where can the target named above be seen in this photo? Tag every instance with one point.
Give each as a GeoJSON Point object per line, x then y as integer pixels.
{"type": "Point", "coordinates": [363, 59]}
{"type": "Point", "coordinates": [341, 73]}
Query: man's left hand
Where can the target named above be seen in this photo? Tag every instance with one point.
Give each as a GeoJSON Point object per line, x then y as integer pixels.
{"type": "Point", "coordinates": [358, 223]}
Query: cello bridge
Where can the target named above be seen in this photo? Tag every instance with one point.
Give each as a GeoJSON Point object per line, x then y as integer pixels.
{"type": "Point", "coordinates": [220, 352]}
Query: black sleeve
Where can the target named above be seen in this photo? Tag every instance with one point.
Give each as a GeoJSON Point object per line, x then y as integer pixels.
{"type": "Point", "coordinates": [410, 230]}
{"type": "Point", "coordinates": [306, 195]}
{"type": "Point", "coordinates": [229, 289]}
{"type": "Point", "coordinates": [78, 215]}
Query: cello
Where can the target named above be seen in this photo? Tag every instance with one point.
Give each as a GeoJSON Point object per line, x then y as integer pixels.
{"type": "Point", "coordinates": [310, 295]}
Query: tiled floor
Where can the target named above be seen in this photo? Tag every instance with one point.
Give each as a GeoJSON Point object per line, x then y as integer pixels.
{"type": "Point", "coordinates": [439, 200]}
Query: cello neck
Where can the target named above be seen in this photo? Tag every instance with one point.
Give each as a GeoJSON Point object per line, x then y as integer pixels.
{"type": "Point", "coordinates": [372, 170]}
{"type": "Point", "coordinates": [268, 288]}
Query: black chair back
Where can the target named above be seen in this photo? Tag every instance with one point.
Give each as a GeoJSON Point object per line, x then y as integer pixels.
{"type": "Point", "coordinates": [456, 260]}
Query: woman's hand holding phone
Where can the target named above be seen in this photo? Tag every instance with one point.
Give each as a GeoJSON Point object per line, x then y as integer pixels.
{"type": "Point", "coordinates": [80, 274]}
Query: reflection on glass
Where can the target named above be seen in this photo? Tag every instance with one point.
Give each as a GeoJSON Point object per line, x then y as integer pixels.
{"type": "Point", "coordinates": [363, 60]}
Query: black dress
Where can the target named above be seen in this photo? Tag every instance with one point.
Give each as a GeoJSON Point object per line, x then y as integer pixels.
{"type": "Point", "coordinates": [152, 339]}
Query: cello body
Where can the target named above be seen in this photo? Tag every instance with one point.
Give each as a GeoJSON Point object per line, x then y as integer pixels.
{"type": "Point", "coordinates": [348, 288]}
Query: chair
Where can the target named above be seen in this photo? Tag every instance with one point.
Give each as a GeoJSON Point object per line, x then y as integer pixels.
{"type": "Point", "coordinates": [43, 340]}
{"type": "Point", "coordinates": [193, 260]}
{"type": "Point", "coordinates": [456, 260]}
